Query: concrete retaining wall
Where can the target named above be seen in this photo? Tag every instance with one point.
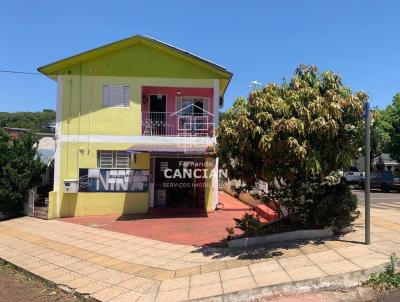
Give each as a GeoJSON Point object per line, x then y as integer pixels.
{"type": "Point", "coordinates": [287, 236]}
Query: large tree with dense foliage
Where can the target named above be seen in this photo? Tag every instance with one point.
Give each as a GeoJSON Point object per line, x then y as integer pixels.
{"type": "Point", "coordinates": [20, 170]}
{"type": "Point", "coordinates": [392, 116]}
{"type": "Point", "coordinates": [380, 137]}
{"type": "Point", "coordinates": [299, 133]}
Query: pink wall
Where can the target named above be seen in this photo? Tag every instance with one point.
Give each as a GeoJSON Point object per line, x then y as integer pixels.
{"type": "Point", "coordinates": [171, 93]}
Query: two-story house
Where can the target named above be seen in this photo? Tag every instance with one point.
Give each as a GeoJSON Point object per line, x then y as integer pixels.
{"type": "Point", "coordinates": [134, 121]}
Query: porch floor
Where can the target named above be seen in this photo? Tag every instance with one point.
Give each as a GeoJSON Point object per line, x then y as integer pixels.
{"type": "Point", "coordinates": [196, 229]}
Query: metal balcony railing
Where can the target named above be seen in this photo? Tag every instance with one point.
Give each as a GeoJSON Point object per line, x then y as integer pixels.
{"type": "Point", "coordinates": [177, 124]}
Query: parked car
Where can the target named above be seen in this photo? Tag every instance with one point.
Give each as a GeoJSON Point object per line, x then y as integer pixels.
{"type": "Point", "coordinates": [396, 181]}
{"type": "Point", "coordinates": [383, 180]}
{"type": "Point", "coordinates": [352, 176]}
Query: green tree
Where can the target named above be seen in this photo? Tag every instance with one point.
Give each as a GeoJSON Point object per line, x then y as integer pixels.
{"type": "Point", "coordinates": [20, 170]}
{"type": "Point", "coordinates": [300, 134]}
{"type": "Point", "coordinates": [380, 137]}
{"type": "Point", "coordinates": [392, 116]}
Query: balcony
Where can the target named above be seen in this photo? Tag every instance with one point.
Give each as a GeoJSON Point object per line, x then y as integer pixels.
{"type": "Point", "coordinates": [178, 124]}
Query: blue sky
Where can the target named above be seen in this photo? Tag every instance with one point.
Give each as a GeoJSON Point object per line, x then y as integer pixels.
{"type": "Point", "coordinates": [256, 40]}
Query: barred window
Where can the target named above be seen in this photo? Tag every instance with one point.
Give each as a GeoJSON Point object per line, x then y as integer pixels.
{"type": "Point", "coordinates": [113, 159]}
{"type": "Point", "coordinates": [116, 95]}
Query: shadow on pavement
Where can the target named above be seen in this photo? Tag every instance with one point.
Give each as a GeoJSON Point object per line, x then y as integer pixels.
{"type": "Point", "coordinates": [266, 251]}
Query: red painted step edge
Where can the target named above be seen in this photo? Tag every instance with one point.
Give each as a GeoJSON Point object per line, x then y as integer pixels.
{"type": "Point", "coordinates": [266, 212]}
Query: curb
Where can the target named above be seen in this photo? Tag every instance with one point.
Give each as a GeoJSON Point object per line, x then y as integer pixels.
{"type": "Point", "coordinates": [341, 281]}
{"type": "Point", "coordinates": [281, 237]}
{"type": "Point", "coordinates": [336, 282]}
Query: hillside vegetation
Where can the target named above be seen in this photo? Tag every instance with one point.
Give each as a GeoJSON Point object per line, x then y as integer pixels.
{"type": "Point", "coordinates": [36, 121]}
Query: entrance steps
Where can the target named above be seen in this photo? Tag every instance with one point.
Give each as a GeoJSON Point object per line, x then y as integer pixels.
{"type": "Point", "coordinates": [231, 203]}
{"type": "Point", "coordinates": [266, 212]}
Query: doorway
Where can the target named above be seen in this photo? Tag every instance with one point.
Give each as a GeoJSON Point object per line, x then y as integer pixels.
{"type": "Point", "coordinates": [177, 192]}
{"type": "Point", "coordinates": [158, 114]}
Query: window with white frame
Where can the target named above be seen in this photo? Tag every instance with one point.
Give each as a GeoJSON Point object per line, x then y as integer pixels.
{"type": "Point", "coordinates": [193, 113]}
{"type": "Point", "coordinates": [113, 159]}
{"type": "Point", "coordinates": [116, 95]}
{"type": "Point", "coordinates": [192, 105]}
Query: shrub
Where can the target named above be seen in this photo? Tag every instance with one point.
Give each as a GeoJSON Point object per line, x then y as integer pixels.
{"type": "Point", "coordinates": [389, 278]}
{"type": "Point", "coordinates": [250, 225]}
{"type": "Point", "coordinates": [316, 205]}
{"type": "Point", "coordinates": [20, 170]}
{"type": "Point", "coordinates": [311, 206]}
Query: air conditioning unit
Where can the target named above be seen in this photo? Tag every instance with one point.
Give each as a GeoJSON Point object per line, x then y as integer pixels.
{"type": "Point", "coordinates": [70, 186]}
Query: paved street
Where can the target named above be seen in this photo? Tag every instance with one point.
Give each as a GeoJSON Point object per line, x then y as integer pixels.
{"type": "Point", "coordinates": [380, 200]}
{"type": "Point", "coordinates": [111, 266]}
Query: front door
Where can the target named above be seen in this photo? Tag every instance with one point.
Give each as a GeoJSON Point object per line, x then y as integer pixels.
{"type": "Point", "coordinates": [158, 108]}
{"type": "Point", "coordinates": [178, 192]}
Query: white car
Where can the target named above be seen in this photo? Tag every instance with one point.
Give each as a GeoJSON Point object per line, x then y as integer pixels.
{"type": "Point", "coordinates": [352, 176]}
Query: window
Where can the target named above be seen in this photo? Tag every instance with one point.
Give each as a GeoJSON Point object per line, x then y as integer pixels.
{"type": "Point", "coordinates": [194, 113]}
{"type": "Point", "coordinates": [116, 95]}
{"type": "Point", "coordinates": [194, 105]}
{"type": "Point", "coordinates": [114, 159]}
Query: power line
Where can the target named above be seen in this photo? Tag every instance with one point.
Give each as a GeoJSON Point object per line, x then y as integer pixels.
{"type": "Point", "coordinates": [20, 72]}
{"type": "Point", "coordinates": [386, 88]}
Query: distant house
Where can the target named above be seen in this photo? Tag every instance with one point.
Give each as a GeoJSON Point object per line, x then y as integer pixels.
{"type": "Point", "coordinates": [381, 162]}
{"type": "Point", "coordinates": [127, 113]}
{"type": "Point", "coordinates": [384, 160]}
{"type": "Point", "coordinates": [37, 203]}
{"type": "Point", "coordinates": [15, 133]}
{"type": "Point", "coordinates": [46, 150]}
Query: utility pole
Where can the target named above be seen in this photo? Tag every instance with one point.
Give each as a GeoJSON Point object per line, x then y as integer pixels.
{"type": "Point", "coordinates": [367, 115]}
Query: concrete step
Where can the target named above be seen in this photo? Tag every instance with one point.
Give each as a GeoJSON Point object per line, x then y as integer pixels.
{"type": "Point", "coordinates": [231, 203]}
{"type": "Point", "coordinates": [266, 212]}
{"type": "Point", "coordinates": [243, 207]}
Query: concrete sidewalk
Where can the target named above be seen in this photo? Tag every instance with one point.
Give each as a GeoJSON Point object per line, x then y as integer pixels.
{"type": "Point", "coordinates": [110, 266]}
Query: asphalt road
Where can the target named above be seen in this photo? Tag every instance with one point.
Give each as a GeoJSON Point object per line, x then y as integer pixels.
{"type": "Point", "coordinates": [380, 200]}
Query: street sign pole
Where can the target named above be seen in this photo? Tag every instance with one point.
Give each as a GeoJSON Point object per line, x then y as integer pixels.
{"type": "Point", "coordinates": [367, 115]}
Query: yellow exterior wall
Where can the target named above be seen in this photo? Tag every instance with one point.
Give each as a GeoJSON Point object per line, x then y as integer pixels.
{"type": "Point", "coordinates": [84, 204]}
{"type": "Point", "coordinates": [82, 113]}
{"type": "Point", "coordinates": [136, 66]}
{"type": "Point", "coordinates": [84, 155]}
{"type": "Point", "coordinates": [52, 205]}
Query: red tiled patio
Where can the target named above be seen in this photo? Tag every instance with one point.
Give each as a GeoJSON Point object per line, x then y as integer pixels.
{"type": "Point", "coordinates": [196, 229]}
